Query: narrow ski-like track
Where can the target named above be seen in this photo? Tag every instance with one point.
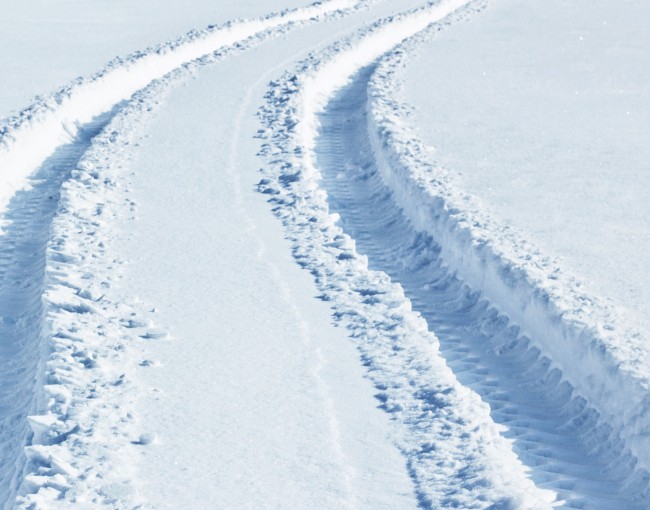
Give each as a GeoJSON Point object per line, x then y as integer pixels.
{"type": "Point", "coordinates": [562, 441]}
{"type": "Point", "coordinates": [23, 244]}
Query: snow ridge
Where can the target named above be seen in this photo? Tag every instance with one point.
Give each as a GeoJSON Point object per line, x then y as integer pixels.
{"type": "Point", "coordinates": [577, 334]}
{"type": "Point", "coordinates": [454, 450]}
{"type": "Point", "coordinates": [88, 341]}
{"type": "Point", "coordinates": [86, 396]}
{"type": "Point", "coordinates": [55, 119]}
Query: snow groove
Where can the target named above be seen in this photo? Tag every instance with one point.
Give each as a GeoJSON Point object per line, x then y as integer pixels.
{"type": "Point", "coordinates": [553, 431]}
{"type": "Point", "coordinates": [22, 275]}
{"type": "Point", "coordinates": [453, 448]}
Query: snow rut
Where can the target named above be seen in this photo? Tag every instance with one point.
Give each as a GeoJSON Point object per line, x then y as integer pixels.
{"type": "Point", "coordinates": [556, 434]}
{"type": "Point", "coordinates": [23, 246]}
{"type": "Point", "coordinates": [32, 135]}
{"type": "Point", "coordinates": [39, 148]}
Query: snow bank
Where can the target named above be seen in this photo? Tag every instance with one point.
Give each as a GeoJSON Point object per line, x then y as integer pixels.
{"type": "Point", "coordinates": [606, 364]}
{"type": "Point", "coordinates": [29, 137]}
{"type": "Point", "coordinates": [454, 450]}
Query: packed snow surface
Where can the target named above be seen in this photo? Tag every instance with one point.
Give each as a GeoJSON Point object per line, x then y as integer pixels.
{"type": "Point", "coordinates": [414, 331]}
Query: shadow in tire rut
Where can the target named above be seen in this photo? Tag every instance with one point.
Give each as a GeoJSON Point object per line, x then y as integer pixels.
{"type": "Point", "coordinates": [555, 434]}
{"type": "Point", "coordinates": [23, 245]}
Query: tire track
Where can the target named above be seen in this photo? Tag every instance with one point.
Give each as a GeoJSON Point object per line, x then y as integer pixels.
{"type": "Point", "coordinates": [38, 151]}
{"type": "Point", "coordinates": [557, 435]}
{"type": "Point", "coordinates": [454, 452]}
{"type": "Point", "coordinates": [63, 124]}
{"type": "Point", "coordinates": [23, 245]}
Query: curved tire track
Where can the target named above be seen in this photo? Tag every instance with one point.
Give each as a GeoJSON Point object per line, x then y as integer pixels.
{"type": "Point", "coordinates": [563, 442]}
{"type": "Point", "coordinates": [454, 452]}
{"type": "Point", "coordinates": [567, 448]}
{"type": "Point", "coordinates": [38, 151]}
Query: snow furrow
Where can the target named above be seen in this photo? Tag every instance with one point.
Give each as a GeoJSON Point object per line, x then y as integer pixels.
{"type": "Point", "coordinates": [454, 450]}
{"type": "Point", "coordinates": [553, 431]}
{"type": "Point", "coordinates": [577, 341]}
{"type": "Point", "coordinates": [53, 326]}
{"type": "Point", "coordinates": [27, 139]}
{"type": "Point", "coordinates": [22, 267]}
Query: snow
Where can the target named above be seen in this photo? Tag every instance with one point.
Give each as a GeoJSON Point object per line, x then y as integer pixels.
{"type": "Point", "coordinates": [539, 111]}
{"type": "Point", "coordinates": [53, 43]}
{"type": "Point", "coordinates": [255, 388]}
{"type": "Point", "coordinates": [232, 273]}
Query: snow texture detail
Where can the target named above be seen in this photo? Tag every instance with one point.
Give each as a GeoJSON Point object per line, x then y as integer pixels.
{"type": "Point", "coordinates": [550, 379]}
